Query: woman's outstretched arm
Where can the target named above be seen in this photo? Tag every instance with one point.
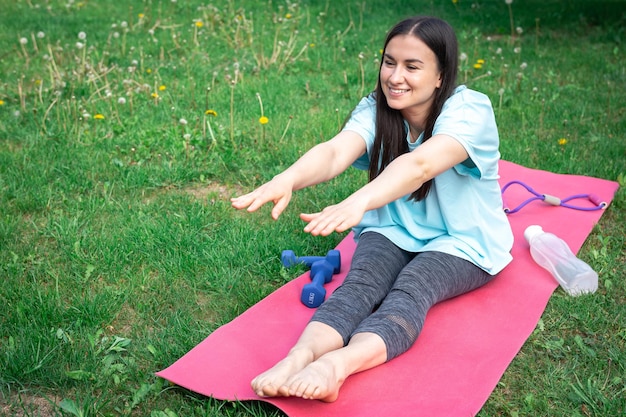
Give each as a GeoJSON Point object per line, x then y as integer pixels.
{"type": "Point", "coordinates": [402, 176]}
{"type": "Point", "coordinates": [321, 163]}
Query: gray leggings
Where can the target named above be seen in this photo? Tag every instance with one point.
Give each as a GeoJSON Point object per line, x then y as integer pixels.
{"type": "Point", "coordinates": [388, 291]}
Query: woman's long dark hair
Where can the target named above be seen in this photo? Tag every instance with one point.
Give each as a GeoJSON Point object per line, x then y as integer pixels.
{"type": "Point", "coordinates": [390, 129]}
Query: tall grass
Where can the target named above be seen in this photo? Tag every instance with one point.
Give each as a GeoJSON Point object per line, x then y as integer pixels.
{"type": "Point", "coordinates": [126, 126]}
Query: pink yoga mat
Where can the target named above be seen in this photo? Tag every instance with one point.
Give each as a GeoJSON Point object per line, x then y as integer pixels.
{"type": "Point", "coordinates": [465, 346]}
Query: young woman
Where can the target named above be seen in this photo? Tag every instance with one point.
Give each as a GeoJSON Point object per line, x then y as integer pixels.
{"type": "Point", "coordinates": [429, 224]}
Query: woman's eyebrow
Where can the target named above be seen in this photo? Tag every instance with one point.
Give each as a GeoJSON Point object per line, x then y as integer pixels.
{"type": "Point", "coordinates": [410, 60]}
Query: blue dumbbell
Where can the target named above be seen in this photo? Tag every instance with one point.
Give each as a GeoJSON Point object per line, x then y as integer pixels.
{"type": "Point", "coordinates": [313, 294]}
{"type": "Point", "coordinates": [333, 257]}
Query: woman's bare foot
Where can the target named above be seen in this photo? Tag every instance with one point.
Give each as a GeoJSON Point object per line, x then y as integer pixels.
{"type": "Point", "coordinates": [271, 383]}
{"type": "Point", "coordinates": [320, 380]}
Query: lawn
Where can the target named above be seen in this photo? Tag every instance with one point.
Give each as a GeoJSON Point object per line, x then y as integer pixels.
{"type": "Point", "coordinates": [125, 127]}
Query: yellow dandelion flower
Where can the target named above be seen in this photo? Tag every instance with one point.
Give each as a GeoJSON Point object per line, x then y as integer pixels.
{"type": "Point", "coordinates": [149, 71]}
{"type": "Point", "coordinates": [480, 61]}
{"type": "Point", "coordinates": [311, 45]}
{"type": "Point", "coordinates": [263, 120]}
{"type": "Point", "coordinates": [562, 141]}
{"type": "Point", "coordinates": [141, 15]}
{"type": "Point", "coordinates": [162, 88]}
{"type": "Point", "coordinates": [98, 116]}
{"type": "Point", "coordinates": [455, 1]}
{"type": "Point", "coordinates": [288, 16]}
{"type": "Point", "coordinates": [155, 95]}
{"type": "Point", "coordinates": [478, 66]}
{"type": "Point", "coordinates": [211, 112]}
{"type": "Point", "coordinates": [199, 24]}
{"type": "Point", "coordinates": [1, 102]}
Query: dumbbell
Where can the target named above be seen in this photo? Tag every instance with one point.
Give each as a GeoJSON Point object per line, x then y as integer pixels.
{"type": "Point", "coordinates": [313, 294]}
{"type": "Point", "coordinates": [333, 257]}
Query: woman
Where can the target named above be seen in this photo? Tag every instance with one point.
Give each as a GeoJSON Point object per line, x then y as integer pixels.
{"type": "Point", "coordinates": [429, 224]}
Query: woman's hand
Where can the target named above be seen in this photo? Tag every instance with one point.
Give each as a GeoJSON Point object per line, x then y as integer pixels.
{"type": "Point", "coordinates": [337, 218]}
{"type": "Point", "coordinates": [278, 191]}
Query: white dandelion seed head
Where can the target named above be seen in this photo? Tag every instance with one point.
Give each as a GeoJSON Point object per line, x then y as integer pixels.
{"type": "Point", "coordinates": [23, 41]}
{"type": "Point", "coordinates": [80, 45]}
{"type": "Point", "coordinates": [182, 122]}
{"type": "Point", "coordinates": [519, 30]}
{"type": "Point", "coordinates": [86, 115]}
{"type": "Point", "coordinates": [17, 113]}
{"type": "Point", "coordinates": [124, 24]}
{"type": "Point", "coordinates": [116, 35]}
{"type": "Point", "coordinates": [82, 36]}
{"type": "Point", "coordinates": [463, 56]}
{"type": "Point", "coordinates": [517, 50]}
{"type": "Point", "coordinates": [187, 136]}
{"type": "Point", "coordinates": [41, 35]}
{"type": "Point", "coordinates": [508, 1]}
{"type": "Point", "coordinates": [523, 66]}
{"type": "Point", "coordinates": [121, 100]}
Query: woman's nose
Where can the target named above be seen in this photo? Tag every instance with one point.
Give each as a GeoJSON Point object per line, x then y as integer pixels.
{"type": "Point", "coordinates": [397, 75]}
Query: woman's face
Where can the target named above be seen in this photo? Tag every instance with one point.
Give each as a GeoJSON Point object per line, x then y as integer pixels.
{"type": "Point", "coordinates": [409, 77]}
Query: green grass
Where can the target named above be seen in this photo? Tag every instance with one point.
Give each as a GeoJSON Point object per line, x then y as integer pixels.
{"type": "Point", "coordinates": [119, 251]}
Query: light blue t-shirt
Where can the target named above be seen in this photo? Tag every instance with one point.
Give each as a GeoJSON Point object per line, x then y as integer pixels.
{"type": "Point", "coordinates": [462, 214]}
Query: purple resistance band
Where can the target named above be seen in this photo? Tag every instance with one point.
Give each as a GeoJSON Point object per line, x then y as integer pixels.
{"type": "Point", "coordinates": [552, 200]}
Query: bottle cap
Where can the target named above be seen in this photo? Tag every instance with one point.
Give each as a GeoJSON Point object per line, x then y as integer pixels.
{"type": "Point", "coordinates": [532, 231]}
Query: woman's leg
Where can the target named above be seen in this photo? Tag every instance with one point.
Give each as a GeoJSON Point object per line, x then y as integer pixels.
{"type": "Point", "coordinates": [375, 266]}
{"type": "Point", "coordinates": [429, 278]}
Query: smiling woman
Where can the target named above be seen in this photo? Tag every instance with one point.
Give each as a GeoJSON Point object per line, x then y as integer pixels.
{"type": "Point", "coordinates": [419, 241]}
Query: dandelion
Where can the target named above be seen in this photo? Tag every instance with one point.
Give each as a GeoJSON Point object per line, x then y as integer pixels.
{"type": "Point", "coordinates": [98, 116]}
{"type": "Point", "coordinates": [288, 16]}
{"type": "Point", "coordinates": [480, 61]}
{"type": "Point", "coordinates": [154, 95]}
{"type": "Point", "coordinates": [162, 88]}
{"type": "Point", "coordinates": [562, 141]}
{"type": "Point", "coordinates": [17, 113]}
{"type": "Point", "coordinates": [517, 50]}
{"type": "Point", "coordinates": [183, 122]}
{"type": "Point", "coordinates": [23, 41]}
{"type": "Point", "coordinates": [478, 65]}
{"type": "Point", "coordinates": [82, 36]}
{"type": "Point", "coordinates": [519, 30]}
{"type": "Point", "coordinates": [1, 102]}
{"type": "Point", "coordinates": [141, 15]}
{"type": "Point", "coordinates": [462, 57]}
{"type": "Point", "coordinates": [211, 112]}
{"type": "Point", "coordinates": [121, 100]}
{"type": "Point", "coordinates": [263, 120]}
{"type": "Point", "coordinates": [149, 71]}
{"type": "Point", "coordinates": [80, 45]}
{"type": "Point", "coordinates": [508, 1]}
{"type": "Point", "coordinates": [523, 66]}
{"type": "Point", "coordinates": [41, 35]}
{"type": "Point", "coordinates": [86, 115]}
{"type": "Point", "coordinates": [311, 45]}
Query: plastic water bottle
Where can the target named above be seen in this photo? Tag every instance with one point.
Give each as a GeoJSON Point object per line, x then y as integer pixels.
{"type": "Point", "coordinates": [552, 253]}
